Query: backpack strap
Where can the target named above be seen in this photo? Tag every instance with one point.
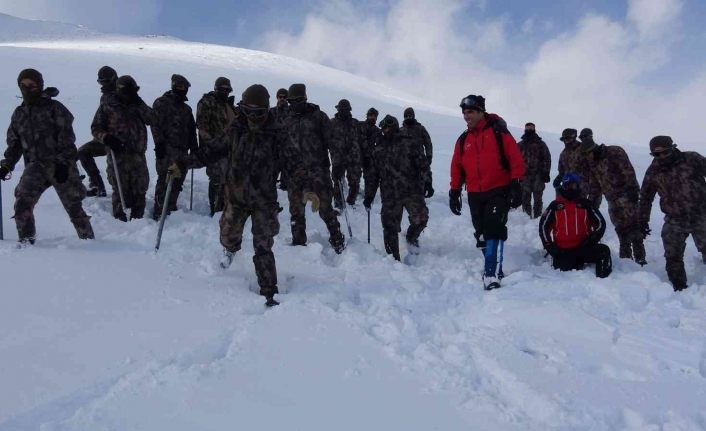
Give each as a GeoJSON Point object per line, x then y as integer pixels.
{"type": "Point", "coordinates": [499, 129]}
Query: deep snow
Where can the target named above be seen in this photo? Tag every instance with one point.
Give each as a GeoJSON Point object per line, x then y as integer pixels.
{"type": "Point", "coordinates": [108, 335]}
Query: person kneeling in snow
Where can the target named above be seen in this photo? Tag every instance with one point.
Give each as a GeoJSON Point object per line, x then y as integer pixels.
{"type": "Point", "coordinates": [571, 229]}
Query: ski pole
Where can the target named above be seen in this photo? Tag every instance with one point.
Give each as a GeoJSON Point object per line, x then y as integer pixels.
{"type": "Point", "coordinates": [345, 208]}
{"type": "Point", "coordinates": [368, 211]}
{"type": "Point", "coordinates": [117, 180]}
{"type": "Point", "coordinates": [165, 207]}
{"type": "Point", "coordinates": [191, 197]}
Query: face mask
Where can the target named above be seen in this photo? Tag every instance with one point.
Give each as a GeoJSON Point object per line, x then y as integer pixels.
{"type": "Point", "coordinates": [181, 92]}
{"type": "Point", "coordinates": [32, 96]}
{"type": "Point", "coordinates": [298, 105]}
{"type": "Point", "coordinates": [571, 194]}
{"type": "Point", "coordinates": [345, 114]}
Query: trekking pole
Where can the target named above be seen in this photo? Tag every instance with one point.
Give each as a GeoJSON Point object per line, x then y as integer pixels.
{"type": "Point", "coordinates": [345, 207]}
{"type": "Point", "coordinates": [191, 197]}
{"type": "Point", "coordinates": [165, 207]}
{"type": "Point", "coordinates": [117, 180]}
{"type": "Point", "coordinates": [368, 210]}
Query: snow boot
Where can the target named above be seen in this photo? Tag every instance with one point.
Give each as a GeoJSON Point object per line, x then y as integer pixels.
{"type": "Point", "coordinates": [338, 242]}
{"type": "Point", "coordinates": [25, 242]}
{"type": "Point", "coordinates": [227, 258]}
{"type": "Point", "coordinates": [96, 187]}
{"type": "Point", "coordinates": [392, 245]}
{"type": "Point", "coordinates": [491, 282]}
{"type": "Point", "coordinates": [270, 301]}
{"type": "Point", "coordinates": [83, 227]}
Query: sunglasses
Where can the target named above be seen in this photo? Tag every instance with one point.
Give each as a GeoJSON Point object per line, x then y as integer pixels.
{"type": "Point", "coordinates": [661, 154]}
{"type": "Point", "coordinates": [250, 111]}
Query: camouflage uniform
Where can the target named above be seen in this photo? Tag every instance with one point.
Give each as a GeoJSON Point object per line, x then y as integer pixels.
{"type": "Point", "coordinates": [42, 134]}
{"type": "Point", "coordinates": [400, 168]}
{"type": "Point", "coordinates": [92, 149]}
{"type": "Point", "coordinates": [214, 118]}
{"type": "Point", "coordinates": [309, 132]}
{"type": "Point", "coordinates": [413, 126]}
{"type": "Point", "coordinates": [538, 165]}
{"type": "Point", "coordinates": [346, 138]}
{"type": "Point", "coordinates": [572, 159]}
{"type": "Point", "coordinates": [280, 114]}
{"type": "Point", "coordinates": [371, 133]}
{"type": "Point", "coordinates": [174, 132]}
{"type": "Point", "coordinates": [256, 158]}
{"type": "Point", "coordinates": [615, 178]}
{"type": "Point", "coordinates": [680, 184]}
{"type": "Point", "coordinates": [127, 122]}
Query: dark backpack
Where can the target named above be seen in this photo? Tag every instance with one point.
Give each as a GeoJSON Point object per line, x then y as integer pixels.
{"type": "Point", "coordinates": [499, 127]}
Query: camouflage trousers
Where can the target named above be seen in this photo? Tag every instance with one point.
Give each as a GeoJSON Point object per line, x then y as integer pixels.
{"type": "Point", "coordinates": [161, 188]}
{"type": "Point", "coordinates": [391, 217]}
{"type": "Point", "coordinates": [217, 173]}
{"type": "Point", "coordinates": [35, 179]}
{"type": "Point", "coordinates": [86, 155]}
{"type": "Point", "coordinates": [623, 215]}
{"type": "Point", "coordinates": [674, 235]}
{"type": "Point", "coordinates": [134, 179]}
{"type": "Point", "coordinates": [322, 187]}
{"type": "Point", "coordinates": [265, 226]}
{"type": "Point", "coordinates": [532, 187]}
{"type": "Point", "coordinates": [353, 179]}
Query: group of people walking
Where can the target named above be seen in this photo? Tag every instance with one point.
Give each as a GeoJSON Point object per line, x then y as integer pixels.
{"type": "Point", "coordinates": [249, 149]}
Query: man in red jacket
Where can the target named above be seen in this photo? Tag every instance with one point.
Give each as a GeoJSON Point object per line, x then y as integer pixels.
{"type": "Point", "coordinates": [571, 229]}
{"type": "Point", "coordinates": [487, 159]}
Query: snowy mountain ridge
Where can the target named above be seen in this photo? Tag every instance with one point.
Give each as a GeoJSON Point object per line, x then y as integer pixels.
{"type": "Point", "coordinates": [108, 335]}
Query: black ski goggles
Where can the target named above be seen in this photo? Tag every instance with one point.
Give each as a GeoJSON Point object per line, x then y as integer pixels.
{"type": "Point", "coordinates": [471, 103]}
{"type": "Point", "coordinates": [253, 112]}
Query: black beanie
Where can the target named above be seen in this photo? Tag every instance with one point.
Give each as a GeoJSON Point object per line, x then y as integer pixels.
{"type": "Point", "coordinates": [586, 133]}
{"type": "Point", "coordinates": [373, 111]}
{"type": "Point", "coordinates": [282, 92]}
{"type": "Point", "coordinates": [473, 102]}
{"type": "Point", "coordinates": [127, 81]}
{"type": "Point", "coordinates": [256, 95]}
{"type": "Point", "coordinates": [297, 90]}
{"type": "Point", "coordinates": [661, 143]}
{"type": "Point", "coordinates": [389, 121]}
{"type": "Point", "coordinates": [222, 83]}
{"type": "Point", "coordinates": [32, 74]}
{"type": "Point", "coordinates": [180, 80]}
{"type": "Point", "coordinates": [567, 133]}
{"type": "Point", "coordinates": [408, 112]}
{"type": "Point", "coordinates": [107, 74]}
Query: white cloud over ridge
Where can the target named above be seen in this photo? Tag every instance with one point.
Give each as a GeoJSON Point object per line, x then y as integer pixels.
{"type": "Point", "coordinates": [611, 75]}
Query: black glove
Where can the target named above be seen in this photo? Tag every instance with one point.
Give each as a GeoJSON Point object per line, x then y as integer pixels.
{"type": "Point", "coordinates": [160, 151]}
{"type": "Point", "coordinates": [592, 239]}
{"type": "Point", "coordinates": [455, 203]}
{"type": "Point", "coordinates": [113, 143]}
{"type": "Point", "coordinates": [552, 249]}
{"type": "Point", "coordinates": [4, 172]}
{"type": "Point", "coordinates": [546, 178]}
{"type": "Point", "coordinates": [515, 192]}
{"type": "Point", "coordinates": [368, 202]}
{"type": "Point", "coordinates": [428, 190]}
{"type": "Point", "coordinates": [61, 172]}
{"type": "Point", "coordinates": [557, 181]}
{"type": "Point", "coordinates": [645, 229]}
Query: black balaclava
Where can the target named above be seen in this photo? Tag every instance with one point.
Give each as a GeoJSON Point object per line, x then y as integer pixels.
{"type": "Point", "coordinates": [297, 98]}
{"type": "Point", "coordinates": [180, 86]}
{"type": "Point", "coordinates": [222, 88]}
{"type": "Point", "coordinates": [126, 89]}
{"type": "Point", "coordinates": [31, 97]}
{"type": "Point", "coordinates": [530, 131]}
{"type": "Point", "coordinates": [107, 76]}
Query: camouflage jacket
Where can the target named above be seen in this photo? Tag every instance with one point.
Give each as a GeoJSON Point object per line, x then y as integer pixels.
{"type": "Point", "coordinates": [346, 138]}
{"type": "Point", "coordinates": [41, 133]}
{"type": "Point", "coordinates": [398, 166]}
{"type": "Point", "coordinates": [680, 184]}
{"type": "Point", "coordinates": [174, 127]}
{"type": "Point", "coordinates": [214, 119]}
{"type": "Point", "coordinates": [256, 159]}
{"type": "Point", "coordinates": [613, 174]}
{"type": "Point", "coordinates": [371, 133]}
{"type": "Point", "coordinates": [310, 133]}
{"type": "Point", "coordinates": [538, 159]}
{"type": "Point", "coordinates": [126, 122]}
{"type": "Point", "coordinates": [280, 114]}
{"type": "Point", "coordinates": [424, 138]}
{"type": "Point", "coordinates": [572, 159]}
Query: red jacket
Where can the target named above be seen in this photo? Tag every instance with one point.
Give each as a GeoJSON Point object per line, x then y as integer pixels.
{"type": "Point", "coordinates": [567, 224]}
{"type": "Point", "coordinates": [480, 162]}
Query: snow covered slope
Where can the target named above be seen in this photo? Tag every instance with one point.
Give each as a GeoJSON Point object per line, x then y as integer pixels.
{"type": "Point", "coordinates": [107, 335]}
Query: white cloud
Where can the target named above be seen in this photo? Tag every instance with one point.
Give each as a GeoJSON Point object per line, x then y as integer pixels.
{"type": "Point", "coordinates": [604, 73]}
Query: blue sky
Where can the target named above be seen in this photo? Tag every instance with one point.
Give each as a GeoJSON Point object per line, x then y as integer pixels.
{"type": "Point", "coordinates": [567, 63]}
